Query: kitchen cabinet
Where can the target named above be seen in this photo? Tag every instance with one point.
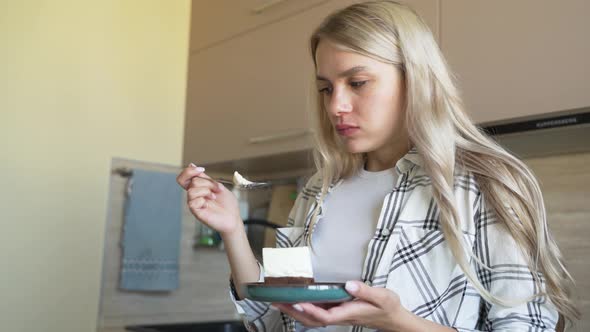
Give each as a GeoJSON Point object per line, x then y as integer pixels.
{"type": "Point", "coordinates": [518, 58]}
{"type": "Point", "coordinates": [214, 21]}
{"type": "Point", "coordinates": [252, 86]}
{"type": "Point", "coordinates": [249, 96]}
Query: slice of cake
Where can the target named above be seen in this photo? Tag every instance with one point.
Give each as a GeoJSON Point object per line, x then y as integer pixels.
{"type": "Point", "coordinates": [287, 265]}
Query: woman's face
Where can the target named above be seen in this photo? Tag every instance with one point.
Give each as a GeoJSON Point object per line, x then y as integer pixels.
{"type": "Point", "coordinates": [364, 99]}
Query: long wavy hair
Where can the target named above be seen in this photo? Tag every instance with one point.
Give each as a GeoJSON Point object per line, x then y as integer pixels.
{"type": "Point", "coordinates": [446, 138]}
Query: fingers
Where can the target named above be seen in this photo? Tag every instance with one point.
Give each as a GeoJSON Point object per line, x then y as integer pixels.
{"type": "Point", "coordinates": [200, 193]}
{"type": "Point", "coordinates": [193, 176]}
{"type": "Point", "coordinates": [380, 297]}
{"type": "Point", "coordinates": [197, 192]}
{"type": "Point", "coordinates": [199, 182]}
{"type": "Point", "coordinates": [326, 306]}
{"type": "Point", "coordinates": [312, 314]}
{"type": "Point", "coordinates": [357, 312]}
{"type": "Point", "coordinates": [335, 315]}
{"type": "Point", "coordinates": [295, 311]}
{"type": "Point", "coordinates": [184, 178]}
{"type": "Point", "coordinates": [199, 204]}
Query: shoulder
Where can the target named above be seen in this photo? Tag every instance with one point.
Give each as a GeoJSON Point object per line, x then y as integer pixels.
{"type": "Point", "coordinates": [313, 186]}
{"type": "Point", "coordinates": [306, 199]}
{"type": "Point", "coordinates": [466, 182]}
{"type": "Point", "coordinates": [468, 199]}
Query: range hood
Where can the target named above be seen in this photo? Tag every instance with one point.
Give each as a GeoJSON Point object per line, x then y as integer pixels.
{"type": "Point", "coordinates": [545, 134]}
{"type": "Point", "coordinates": [527, 137]}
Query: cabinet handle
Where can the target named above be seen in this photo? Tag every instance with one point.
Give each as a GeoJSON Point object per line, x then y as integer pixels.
{"type": "Point", "coordinates": [265, 6]}
{"type": "Point", "coordinates": [287, 134]}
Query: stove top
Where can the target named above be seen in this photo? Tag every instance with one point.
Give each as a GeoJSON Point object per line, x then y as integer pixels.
{"type": "Point", "coordinates": [225, 326]}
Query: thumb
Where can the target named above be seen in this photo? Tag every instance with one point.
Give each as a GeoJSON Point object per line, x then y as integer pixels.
{"type": "Point", "coordinates": [374, 295]}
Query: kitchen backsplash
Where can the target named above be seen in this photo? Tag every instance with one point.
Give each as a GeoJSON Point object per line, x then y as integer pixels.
{"type": "Point", "coordinates": [565, 182]}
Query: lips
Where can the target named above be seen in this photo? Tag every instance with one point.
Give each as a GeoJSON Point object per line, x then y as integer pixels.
{"type": "Point", "coordinates": [346, 129]}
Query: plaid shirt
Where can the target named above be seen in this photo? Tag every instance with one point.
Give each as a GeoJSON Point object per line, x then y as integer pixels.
{"type": "Point", "coordinates": [409, 255]}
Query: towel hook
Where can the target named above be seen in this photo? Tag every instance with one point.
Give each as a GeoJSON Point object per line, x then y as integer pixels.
{"type": "Point", "coordinates": [126, 173]}
{"type": "Point", "coordinates": [123, 171]}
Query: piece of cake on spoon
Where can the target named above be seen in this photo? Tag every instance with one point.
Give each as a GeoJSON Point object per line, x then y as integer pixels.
{"type": "Point", "coordinates": [239, 180]}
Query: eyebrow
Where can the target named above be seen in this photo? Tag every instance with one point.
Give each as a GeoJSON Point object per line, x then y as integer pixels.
{"type": "Point", "coordinates": [345, 73]}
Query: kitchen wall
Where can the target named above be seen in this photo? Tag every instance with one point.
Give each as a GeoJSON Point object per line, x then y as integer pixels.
{"type": "Point", "coordinates": [81, 82]}
{"type": "Point", "coordinates": [203, 289]}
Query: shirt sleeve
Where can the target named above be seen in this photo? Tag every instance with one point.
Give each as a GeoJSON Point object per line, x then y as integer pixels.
{"type": "Point", "coordinates": [509, 278]}
{"type": "Point", "coordinates": [257, 316]}
{"type": "Point", "coordinates": [260, 316]}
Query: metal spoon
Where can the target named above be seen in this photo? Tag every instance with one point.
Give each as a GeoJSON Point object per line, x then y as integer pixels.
{"type": "Point", "coordinates": [249, 186]}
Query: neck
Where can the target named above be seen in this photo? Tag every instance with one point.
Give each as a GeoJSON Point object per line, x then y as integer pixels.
{"type": "Point", "coordinates": [383, 159]}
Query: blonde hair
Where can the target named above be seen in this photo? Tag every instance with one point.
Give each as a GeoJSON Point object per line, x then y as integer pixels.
{"type": "Point", "coordinates": [437, 125]}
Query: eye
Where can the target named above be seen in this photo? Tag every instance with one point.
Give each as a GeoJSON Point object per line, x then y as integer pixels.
{"type": "Point", "coordinates": [326, 90]}
{"type": "Point", "coordinates": [357, 84]}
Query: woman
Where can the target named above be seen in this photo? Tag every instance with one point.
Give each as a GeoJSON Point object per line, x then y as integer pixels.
{"type": "Point", "coordinates": [434, 226]}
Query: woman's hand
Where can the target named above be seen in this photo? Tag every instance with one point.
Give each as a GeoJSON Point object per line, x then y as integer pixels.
{"type": "Point", "coordinates": [374, 307]}
{"type": "Point", "coordinates": [210, 201]}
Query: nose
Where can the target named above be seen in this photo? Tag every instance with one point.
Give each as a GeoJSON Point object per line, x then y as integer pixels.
{"type": "Point", "coordinates": [339, 103]}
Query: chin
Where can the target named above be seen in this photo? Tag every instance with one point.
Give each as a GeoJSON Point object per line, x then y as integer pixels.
{"type": "Point", "coordinates": [356, 147]}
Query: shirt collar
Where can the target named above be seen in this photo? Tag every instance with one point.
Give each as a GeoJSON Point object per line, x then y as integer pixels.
{"type": "Point", "coordinates": [408, 161]}
{"type": "Point", "coordinates": [411, 159]}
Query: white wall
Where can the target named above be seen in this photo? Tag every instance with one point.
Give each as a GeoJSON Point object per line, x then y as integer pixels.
{"type": "Point", "coordinates": [80, 83]}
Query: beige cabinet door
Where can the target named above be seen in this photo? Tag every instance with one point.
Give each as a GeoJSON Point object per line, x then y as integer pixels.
{"type": "Point", "coordinates": [250, 87]}
{"type": "Point", "coordinates": [213, 21]}
{"type": "Point", "coordinates": [518, 58]}
{"type": "Point", "coordinates": [250, 96]}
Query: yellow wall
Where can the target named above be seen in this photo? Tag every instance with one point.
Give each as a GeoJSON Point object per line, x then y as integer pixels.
{"type": "Point", "coordinates": [80, 83]}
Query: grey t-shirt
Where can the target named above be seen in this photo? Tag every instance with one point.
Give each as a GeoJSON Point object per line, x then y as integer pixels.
{"type": "Point", "coordinates": [350, 215]}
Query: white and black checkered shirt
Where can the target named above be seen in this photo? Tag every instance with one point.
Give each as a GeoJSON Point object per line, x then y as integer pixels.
{"type": "Point", "coordinates": [409, 255]}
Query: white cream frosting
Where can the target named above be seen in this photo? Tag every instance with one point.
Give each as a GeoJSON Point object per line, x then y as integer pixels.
{"type": "Point", "coordinates": [239, 180]}
{"type": "Point", "coordinates": [287, 262]}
